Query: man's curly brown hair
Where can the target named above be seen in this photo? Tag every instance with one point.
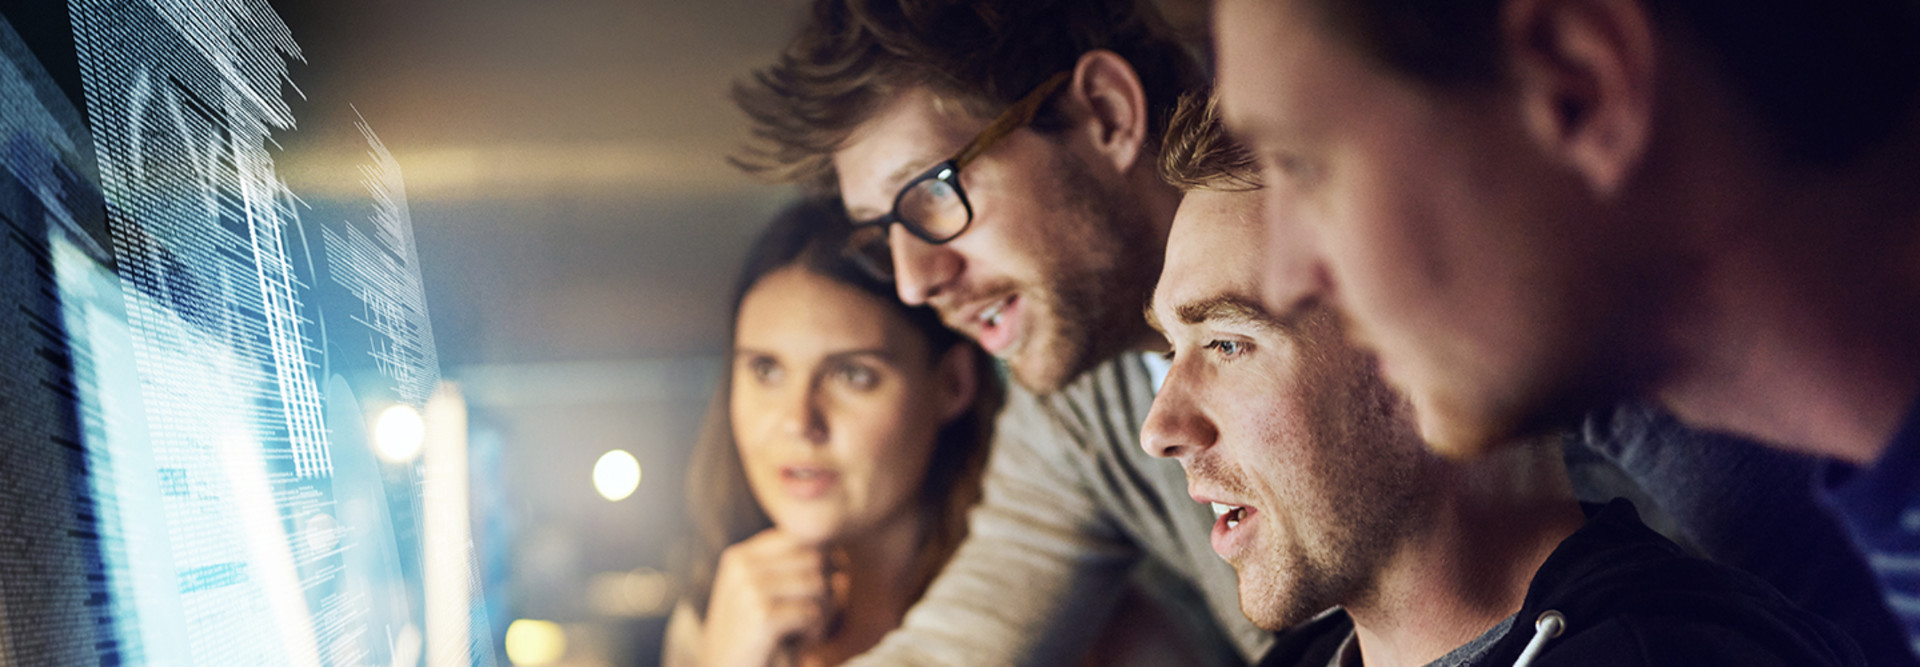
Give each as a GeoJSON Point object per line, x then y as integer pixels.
{"type": "Point", "coordinates": [855, 55]}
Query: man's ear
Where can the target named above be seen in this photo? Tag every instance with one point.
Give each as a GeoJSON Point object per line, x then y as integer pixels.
{"type": "Point", "coordinates": [1111, 105]}
{"type": "Point", "coordinates": [959, 380]}
{"type": "Point", "coordinates": [1584, 71]}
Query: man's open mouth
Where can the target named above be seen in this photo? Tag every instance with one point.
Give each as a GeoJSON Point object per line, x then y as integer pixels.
{"type": "Point", "coordinates": [1233, 514]}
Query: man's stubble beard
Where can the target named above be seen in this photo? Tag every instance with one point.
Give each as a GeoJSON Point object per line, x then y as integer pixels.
{"type": "Point", "coordinates": [1373, 493]}
{"type": "Point", "coordinates": [1276, 591]}
{"type": "Point", "coordinates": [1093, 304]}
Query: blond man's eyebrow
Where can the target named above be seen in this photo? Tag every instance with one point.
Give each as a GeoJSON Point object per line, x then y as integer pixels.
{"type": "Point", "coordinates": [1230, 308]}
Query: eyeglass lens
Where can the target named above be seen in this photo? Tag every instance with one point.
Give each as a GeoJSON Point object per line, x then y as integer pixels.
{"type": "Point", "coordinates": [934, 208]}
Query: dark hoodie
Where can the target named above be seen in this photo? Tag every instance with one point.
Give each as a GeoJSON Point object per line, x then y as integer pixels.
{"type": "Point", "coordinates": [1627, 596]}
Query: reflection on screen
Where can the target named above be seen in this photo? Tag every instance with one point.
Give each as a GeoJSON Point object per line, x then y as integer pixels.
{"type": "Point", "coordinates": [190, 358]}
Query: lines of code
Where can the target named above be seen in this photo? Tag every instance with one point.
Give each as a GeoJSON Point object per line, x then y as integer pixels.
{"type": "Point", "coordinates": [189, 478]}
{"type": "Point", "coordinates": [53, 593]}
{"type": "Point", "coordinates": [382, 270]}
{"type": "Point", "coordinates": [180, 120]}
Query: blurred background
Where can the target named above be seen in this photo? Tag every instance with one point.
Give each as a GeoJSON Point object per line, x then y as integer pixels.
{"type": "Point", "coordinates": [577, 227]}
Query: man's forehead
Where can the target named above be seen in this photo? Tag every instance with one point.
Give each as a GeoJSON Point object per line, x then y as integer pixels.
{"type": "Point", "coordinates": [1213, 254]}
{"type": "Point", "coordinates": [911, 132]}
{"type": "Point", "coordinates": [1253, 39]}
{"type": "Point", "coordinates": [1206, 277]}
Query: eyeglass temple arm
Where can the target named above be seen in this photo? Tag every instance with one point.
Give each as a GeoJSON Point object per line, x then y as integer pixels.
{"type": "Point", "coordinates": [1015, 116]}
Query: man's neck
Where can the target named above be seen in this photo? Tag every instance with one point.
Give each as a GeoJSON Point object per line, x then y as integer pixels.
{"type": "Point", "coordinates": [1804, 327]}
{"type": "Point", "coordinates": [1471, 563]}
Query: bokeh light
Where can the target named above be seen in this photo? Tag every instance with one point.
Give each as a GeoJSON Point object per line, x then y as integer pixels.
{"type": "Point", "coordinates": [530, 642]}
{"type": "Point", "coordinates": [397, 434]}
{"type": "Point", "coordinates": [616, 475]}
{"type": "Point", "coordinates": [643, 592]}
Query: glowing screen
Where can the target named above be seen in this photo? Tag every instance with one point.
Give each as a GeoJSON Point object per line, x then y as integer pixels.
{"type": "Point", "coordinates": [193, 359]}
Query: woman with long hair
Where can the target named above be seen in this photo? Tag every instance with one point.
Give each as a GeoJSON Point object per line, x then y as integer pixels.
{"type": "Point", "coordinates": [841, 453]}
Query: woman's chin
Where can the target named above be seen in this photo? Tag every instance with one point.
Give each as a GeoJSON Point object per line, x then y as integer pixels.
{"type": "Point", "coordinates": [816, 530]}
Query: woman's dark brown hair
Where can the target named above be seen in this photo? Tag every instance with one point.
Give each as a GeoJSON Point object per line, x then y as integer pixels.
{"type": "Point", "coordinates": [812, 234]}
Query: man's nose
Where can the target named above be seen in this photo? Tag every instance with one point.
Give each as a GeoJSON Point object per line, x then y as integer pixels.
{"type": "Point", "coordinates": [920, 269]}
{"type": "Point", "coordinates": [1176, 427]}
{"type": "Point", "coordinates": [1295, 273]}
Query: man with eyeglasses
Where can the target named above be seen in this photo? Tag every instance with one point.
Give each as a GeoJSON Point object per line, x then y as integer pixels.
{"type": "Point", "coordinates": [1001, 156]}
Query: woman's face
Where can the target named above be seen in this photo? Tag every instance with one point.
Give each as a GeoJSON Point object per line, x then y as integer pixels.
{"type": "Point", "coordinates": [835, 407]}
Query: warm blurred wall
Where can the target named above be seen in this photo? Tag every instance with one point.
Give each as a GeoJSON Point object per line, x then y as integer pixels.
{"type": "Point", "coordinates": [578, 227]}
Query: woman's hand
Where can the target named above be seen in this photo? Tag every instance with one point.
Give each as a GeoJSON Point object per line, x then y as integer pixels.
{"type": "Point", "coordinates": [770, 592]}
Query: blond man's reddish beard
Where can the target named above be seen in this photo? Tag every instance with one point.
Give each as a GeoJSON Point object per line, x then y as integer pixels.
{"type": "Point", "coordinates": [1092, 306]}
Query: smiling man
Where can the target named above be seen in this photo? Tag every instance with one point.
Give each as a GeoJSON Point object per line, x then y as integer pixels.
{"type": "Point", "coordinates": [1001, 155]}
{"type": "Point", "coordinates": [1327, 497]}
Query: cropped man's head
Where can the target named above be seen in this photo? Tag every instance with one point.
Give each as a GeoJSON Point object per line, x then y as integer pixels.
{"type": "Point", "coordinates": [997, 146]}
{"type": "Point", "coordinates": [1500, 193]}
{"type": "Point", "coordinates": [1309, 460]}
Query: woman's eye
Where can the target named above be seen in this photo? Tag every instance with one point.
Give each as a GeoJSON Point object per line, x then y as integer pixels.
{"type": "Point", "coordinates": [763, 369]}
{"type": "Point", "coordinates": [1227, 348]}
{"type": "Point", "coordinates": [856, 376]}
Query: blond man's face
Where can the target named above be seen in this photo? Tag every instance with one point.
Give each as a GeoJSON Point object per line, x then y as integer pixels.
{"type": "Point", "coordinates": [1309, 460]}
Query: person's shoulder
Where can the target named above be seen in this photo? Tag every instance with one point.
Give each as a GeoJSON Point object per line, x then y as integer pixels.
{"type": "Point", "coordinates": [1087, 424]}
{"type": "Point", "coordinates": [1875, 499]}
{"type": "Point", "coordinates": [1663, 639]}
{"type": "Point", "coordinates": [1120, 384]}
{"type": "Point", "coordinates": [1626, 595]}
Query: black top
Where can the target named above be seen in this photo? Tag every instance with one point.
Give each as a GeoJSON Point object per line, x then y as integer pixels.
{"type": "Point", "coordinates": [1631, 597]}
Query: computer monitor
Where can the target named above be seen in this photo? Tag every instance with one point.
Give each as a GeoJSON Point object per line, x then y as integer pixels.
{"type": "Point", "coordinates": [223, 442]}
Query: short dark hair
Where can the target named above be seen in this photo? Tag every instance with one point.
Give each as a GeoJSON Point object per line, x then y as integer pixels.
{"type": "Point", "coordinates": [1199, 154]}
{"type": "Point", "coordinates": [853, 55]}
{"type": "Point", "coordinates": [1827, 79]}
{"type": "Point", "coordinates": [811, 234]}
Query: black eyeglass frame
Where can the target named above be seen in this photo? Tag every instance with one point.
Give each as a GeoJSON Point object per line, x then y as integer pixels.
{"type": "Point", "coordinates": [948, 171]}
